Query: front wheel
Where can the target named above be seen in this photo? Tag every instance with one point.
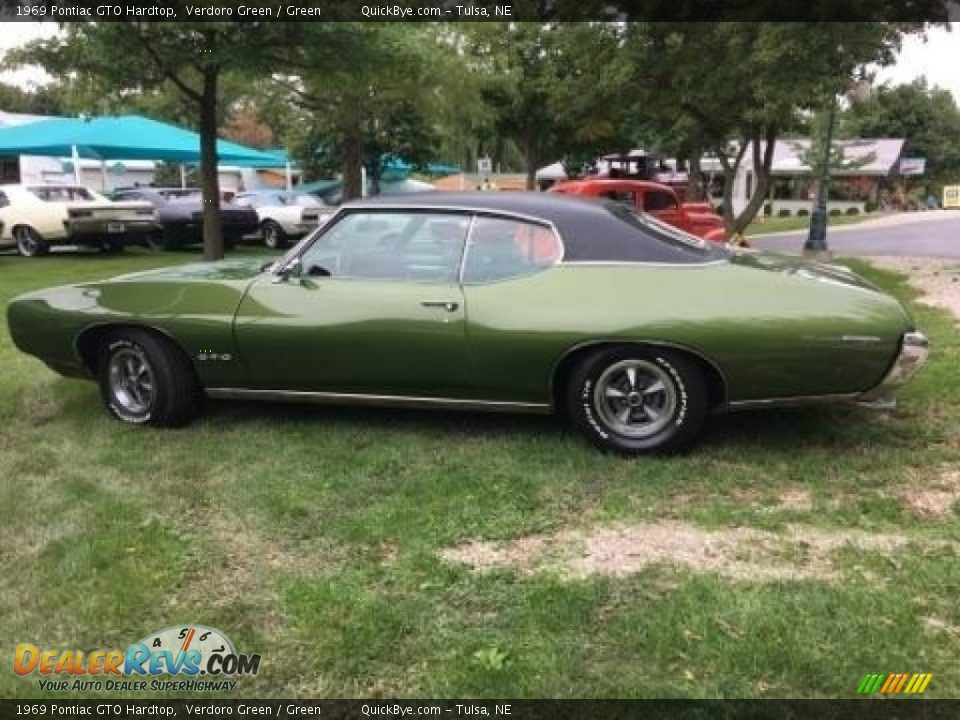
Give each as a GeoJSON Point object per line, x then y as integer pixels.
{"type": "Point", "coordinates": [145, 380]}
{"type": "Point", "coordinates": [637, 400]}
{"type": "Point", "coordinates": [273, 235]}
{"type": "Point", "coordinates": [29, 242]}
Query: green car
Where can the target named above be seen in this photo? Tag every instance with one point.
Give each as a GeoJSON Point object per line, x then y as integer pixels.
{"type": "Point", "coordinates": [534, 302]}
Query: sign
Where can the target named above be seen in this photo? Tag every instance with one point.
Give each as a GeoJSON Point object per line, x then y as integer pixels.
{"type": "Point", "coordinates": [951, 196]}
{"type": "Point", "coordinates": [484, 165]}
{"type": "Point", "coordinates": [913, 166]}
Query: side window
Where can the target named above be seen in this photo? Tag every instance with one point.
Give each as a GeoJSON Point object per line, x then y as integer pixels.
{"type": "Point", "coordinates": [624, 197]}
{"type": "Point", "coordinates": [4, 202]}
{"type": "Point", "coordinates": [654, 201]}
{"type": "Point", "coordinates": [412, 246]}
{"type": "Point", "coordinates": [500, 248]}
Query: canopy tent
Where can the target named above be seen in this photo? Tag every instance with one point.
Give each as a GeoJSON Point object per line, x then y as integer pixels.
{"type": "Point", "coordinates": [123, 137]}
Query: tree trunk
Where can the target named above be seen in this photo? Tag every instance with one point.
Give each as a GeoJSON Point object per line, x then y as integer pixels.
{"type": "Point", "coordinates": [761, 172]}
{"type": "Point", "coordinates": [530, 157]}
{"type": "Point", "coordinates": [209, 178]}
{"type": "Point", "coordinates": [694, 181]}
{"type": "Point", "coordinates": [352, 167]}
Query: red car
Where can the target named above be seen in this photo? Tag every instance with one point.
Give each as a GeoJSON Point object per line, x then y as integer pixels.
{"type": "Point", "coordinates": [657, 200]}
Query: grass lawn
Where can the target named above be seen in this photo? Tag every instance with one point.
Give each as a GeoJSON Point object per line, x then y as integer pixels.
{"type": "Point", "coordinates": [787, 224]}
{"type": "Point", "coordinates": [312, 535]}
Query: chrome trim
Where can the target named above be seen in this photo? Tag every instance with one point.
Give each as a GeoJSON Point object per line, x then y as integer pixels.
{"type": "Point", "coordinates": [628, 263]}
{"type": "Point", "coordinates": [337, 398]}
{"type": "Point", "coordinates": [913, 354]}
{"type": "Point", "coordinates": [860, 339]}
{"type": "Point", "coordinates": [797, 401]}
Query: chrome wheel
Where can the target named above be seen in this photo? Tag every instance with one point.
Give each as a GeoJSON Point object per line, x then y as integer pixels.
{"type": "Point", "coordinates": [635, 398]}
{"type": "Point", "coordinates": [131, 380]}
{"type": "Point", "coordinates": [273, 236]}
{"type": "Point", "coordinates": [28, 242]}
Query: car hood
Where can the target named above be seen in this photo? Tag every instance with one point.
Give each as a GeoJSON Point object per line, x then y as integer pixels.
{"type": "Point", "coordinates": [245, 269]}
{"type": "Point", "coordinates": [800, 267]}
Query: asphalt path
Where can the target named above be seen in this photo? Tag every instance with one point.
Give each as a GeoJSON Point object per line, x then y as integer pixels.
{"type": "Point", "coordinates": [934, 234]}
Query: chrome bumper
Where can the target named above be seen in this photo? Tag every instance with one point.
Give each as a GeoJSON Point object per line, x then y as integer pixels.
{"type": "Point", "coordinates": [914, 351]}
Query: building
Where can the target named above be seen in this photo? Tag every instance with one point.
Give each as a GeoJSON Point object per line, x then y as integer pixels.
{"type": "Point", "coordinates": [870, 174]}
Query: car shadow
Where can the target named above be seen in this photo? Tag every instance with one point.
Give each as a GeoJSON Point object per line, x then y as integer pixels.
{"type": "Point", "coordinates": [781, 429]}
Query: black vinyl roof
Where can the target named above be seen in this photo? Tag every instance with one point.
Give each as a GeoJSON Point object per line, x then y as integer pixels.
{"type": "Point", "coordinates": [593, 230]}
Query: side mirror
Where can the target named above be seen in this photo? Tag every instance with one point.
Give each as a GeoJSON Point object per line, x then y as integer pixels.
{"type": "Point", "coordinates": [293, 269]}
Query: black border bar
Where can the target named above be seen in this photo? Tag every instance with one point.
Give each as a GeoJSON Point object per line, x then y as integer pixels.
{"type": "Point", "coordinates": [479, 10]}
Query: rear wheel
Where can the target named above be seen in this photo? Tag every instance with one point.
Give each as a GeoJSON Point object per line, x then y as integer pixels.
{"type": "Point", "coordinates": [160, 241]}
{"type": "Point", "coordinates": [273, 235]}
{"type": "Point", "coordinates": [29, 242]}
{"type": "Point", "coordinates": [146, 380]}
{"type": "Point", "coordinates": [636, 400]}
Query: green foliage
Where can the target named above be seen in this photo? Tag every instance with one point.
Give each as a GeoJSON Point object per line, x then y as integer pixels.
{"type": "Point", "coordinates": [927, 118]}
{"type": "Point", "coordinates": [554, 90]}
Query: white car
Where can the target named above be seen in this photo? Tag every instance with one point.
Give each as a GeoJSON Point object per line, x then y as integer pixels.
{"type": "Point", "coordinates": [284, 215]}
{"type": "Point", "coordinates": [35, 218]}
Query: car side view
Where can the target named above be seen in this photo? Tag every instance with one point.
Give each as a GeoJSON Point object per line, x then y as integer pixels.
{"type": "Point", "coordinates": [284, 215]}
{"type": "Point", "coordinates": [36, 218]}
{"type": "Point", "coordinates": [180, 214]}
{"type": "Point", "coordinates": [516, 302]}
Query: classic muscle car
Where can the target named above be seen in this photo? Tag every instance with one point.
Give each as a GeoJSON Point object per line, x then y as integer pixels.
{"type": "Point", "coordinates": [180, 212]}
{"type": "Point", "coordinates": [35, 218]}
{"type": "Point", "coordinates": [284, 215]}
{"type": "Point", "coordinates": [490, 301]}
{"type": "Point", "coordinates": [654, 198]}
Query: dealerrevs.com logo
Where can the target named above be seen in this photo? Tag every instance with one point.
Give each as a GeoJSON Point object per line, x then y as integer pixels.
{"type": "Point", "coordinates": [200, 658]}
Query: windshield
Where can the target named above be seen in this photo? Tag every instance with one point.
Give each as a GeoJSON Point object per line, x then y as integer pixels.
{"type": "Point", "coordinates": [62, 193]}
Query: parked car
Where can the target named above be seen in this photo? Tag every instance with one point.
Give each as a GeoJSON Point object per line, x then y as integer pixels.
{"type": "Point", "coordinates": [35, 218]}
{"type": "Point", "coordinates": [527, 302]}
{"type": "Point", "coordinates": [653, 198]}
{"type": "Point", "coordinates": [284, 216]}
{"type": "Point", "coordinates": [180, 212]}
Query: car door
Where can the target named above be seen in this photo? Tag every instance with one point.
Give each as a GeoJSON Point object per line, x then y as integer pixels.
{"type": "Point", "coordinates": [376, 309]}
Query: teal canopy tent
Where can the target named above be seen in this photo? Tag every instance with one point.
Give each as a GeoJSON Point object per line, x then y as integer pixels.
{"type": "Point", "coordinates": [123, 137]}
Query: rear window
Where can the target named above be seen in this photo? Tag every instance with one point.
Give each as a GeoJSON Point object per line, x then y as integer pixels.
{"type": "Point", "coordinates": [60, 193]}
{"type": "Point", "coordinates": [658, 229]}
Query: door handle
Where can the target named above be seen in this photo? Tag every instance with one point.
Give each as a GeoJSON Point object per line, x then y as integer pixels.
{"type": "Point", "coordinates": [446, 305]}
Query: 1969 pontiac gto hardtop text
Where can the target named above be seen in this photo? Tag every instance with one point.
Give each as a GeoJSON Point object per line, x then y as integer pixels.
{"type": "Point", "coordinates": [533, 302]}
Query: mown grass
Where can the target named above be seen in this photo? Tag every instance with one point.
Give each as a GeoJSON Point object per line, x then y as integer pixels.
{"type": "Point", "coordinates": [310, 535]}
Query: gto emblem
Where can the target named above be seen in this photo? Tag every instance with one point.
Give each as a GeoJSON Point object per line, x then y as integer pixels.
{"type": "Point", "coordinates": [209, 355]}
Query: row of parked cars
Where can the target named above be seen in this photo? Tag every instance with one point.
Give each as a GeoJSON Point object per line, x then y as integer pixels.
{"type": "Point", "coordinates": [36, 218]}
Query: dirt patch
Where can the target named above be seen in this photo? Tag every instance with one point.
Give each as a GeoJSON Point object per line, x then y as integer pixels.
{"type": "Point", "coordinates": [739, 553]}
{"type": "Point", "coordinates": [795, 499]}
{"type": "Point", "coordinates": [937, 280]}
{"type": "Point", "coordinates": [935, 500]}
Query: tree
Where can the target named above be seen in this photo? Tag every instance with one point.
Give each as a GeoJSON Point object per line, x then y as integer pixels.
{"type": "Point", "coordinates": [554, 89]}
{"type": "Point", "coordinates": [370, 91]}
{"type": "Point", "coordinates": [189, 57]}
{"type": "Point", "coordinates": [927, 118]}
{"type": "Point", "coordinates": [735, 87]}
{"type": "Point", "coordinates": [42, 100]}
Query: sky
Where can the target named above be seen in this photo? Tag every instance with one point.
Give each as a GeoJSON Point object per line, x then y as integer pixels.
{"type": "Point", "coordinates": [937, 58]}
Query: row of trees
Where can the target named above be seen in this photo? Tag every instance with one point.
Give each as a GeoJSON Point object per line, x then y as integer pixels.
{"type": "Point", "coordinates": [341, 96]}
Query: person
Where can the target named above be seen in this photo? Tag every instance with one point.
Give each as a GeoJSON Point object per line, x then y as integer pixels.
{"type": "Point", "coordinates": [487, 185]}
{"type": "Point", "coordinates": [931, 202]}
